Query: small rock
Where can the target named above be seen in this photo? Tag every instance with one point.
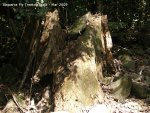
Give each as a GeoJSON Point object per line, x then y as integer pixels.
{"type": "Point", "coordinates": [139, 90]}
{"type": "Point", "coordinates": [121, 88]}
{"type": "Point", "coordinates": [127, 62]}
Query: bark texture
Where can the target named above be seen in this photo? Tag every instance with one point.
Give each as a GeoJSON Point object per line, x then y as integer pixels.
{"type": "Point", "coordinates": [76, 82]}
{"type": "Point", "coordinates": [76, 64]}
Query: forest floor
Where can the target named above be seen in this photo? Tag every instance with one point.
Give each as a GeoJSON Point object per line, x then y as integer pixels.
{"type": "Point", "coordinates": [132, 104]}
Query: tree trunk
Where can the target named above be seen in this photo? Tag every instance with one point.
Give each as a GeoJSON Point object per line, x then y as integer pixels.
{"type": "Point", "coordinates": [76, 64]}
{"type": "Point", "coordinates": [76, 83]}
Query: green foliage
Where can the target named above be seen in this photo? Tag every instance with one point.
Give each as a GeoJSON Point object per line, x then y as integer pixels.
{"type": "Point", "coordinates": [117, 26]}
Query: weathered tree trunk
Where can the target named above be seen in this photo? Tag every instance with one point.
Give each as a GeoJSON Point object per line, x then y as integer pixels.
{"type": "Point", "coordinates": [77, 67]}
{"type": "Point", "coordinates": [76, 64]}
{"type": "Point", "coordinates": [76, 82]}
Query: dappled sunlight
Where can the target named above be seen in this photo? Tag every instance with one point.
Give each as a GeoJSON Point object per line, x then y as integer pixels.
{"type": "Point", "coordinates": [76, 56]}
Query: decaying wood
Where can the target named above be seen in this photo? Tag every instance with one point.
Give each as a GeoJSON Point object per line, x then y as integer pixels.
{"type": "Point", "coordinates": [44, 103]}
{"type": "Point", "coordinates": [77, 66]}
{"type": "Point", "coordinates": [51, 21]}
{"type": "Point", "coordinates": [50, 35]}
{"type": "Point", "coordinates": [107, 40]}
{"type": "Point", "coordinates": [33, 47]}
{"type": "Point", "coordinates": [31, 57]}
{"type": "Point", "coordinates": [76, 84]}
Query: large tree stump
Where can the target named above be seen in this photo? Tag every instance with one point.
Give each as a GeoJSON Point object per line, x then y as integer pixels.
{"type": "Point", "coordinates": [76, 64]}
{"type": "Point", "coordinates": [76, 81]}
